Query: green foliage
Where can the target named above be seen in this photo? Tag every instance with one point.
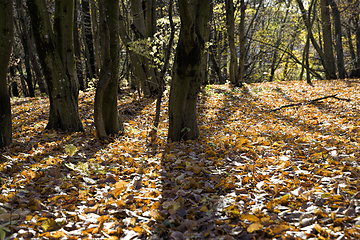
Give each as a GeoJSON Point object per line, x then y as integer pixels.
{"type": "Point", "coordinates": [153, 48]}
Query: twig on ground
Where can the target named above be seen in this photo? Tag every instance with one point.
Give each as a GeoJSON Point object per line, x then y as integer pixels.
{"type": "Point", "coordinates": [308, 102]}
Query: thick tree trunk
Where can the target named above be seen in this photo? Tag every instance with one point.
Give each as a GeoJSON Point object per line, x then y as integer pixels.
{"type": "Point", "coordinates": [64, 35]}
{"type": "Point", "coordinates": [64, 112]}
{"type": "Point", "coordinates": [6, 39]}
{"type": "Point", "coordinates": [106, 114]}
{"type": "Point", "coordinates": [187, 76]}
{"type": "Point", "coordinates": [329, 59]}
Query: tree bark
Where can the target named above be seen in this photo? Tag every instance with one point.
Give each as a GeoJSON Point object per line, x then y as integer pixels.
{"type": "Point", "coordinates": [230, 27]}
{"type": "Point", "coordinates": [328, 70]}
{"type": "Point", "coordinates": [88, 38]}
{"type": "Point", "coordinates": [106, 114]}
{"type": "Point", "coordinates": [77, 48]}
{"type": "Point", "coordinates": [187, 76]}
{"type": "Point", "coordinates": [6, 39]}
{"type": "Point", "coordinates": [144, 26]}
{"type": "Point", "coordinates": [23, 32]}
{"type": "Point", "coordinates": [329, 59]}
{"type": "Point", "coordinates": [242, 46]}
{"type": "Point", "coordinates": [338, 38]}
{"type": "Point", "coordinates": [64, 113]}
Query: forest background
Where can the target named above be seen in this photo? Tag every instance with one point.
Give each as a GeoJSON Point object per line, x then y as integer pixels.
{"type": "Point", "coordinates": [62, 51]}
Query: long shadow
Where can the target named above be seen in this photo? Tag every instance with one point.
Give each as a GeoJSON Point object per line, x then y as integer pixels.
{"type": "Point", "coordinates": [186, 190]}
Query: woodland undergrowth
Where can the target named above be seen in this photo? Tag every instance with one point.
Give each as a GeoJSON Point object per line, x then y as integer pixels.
{"type": "Point", "coordinates": [252, 174]}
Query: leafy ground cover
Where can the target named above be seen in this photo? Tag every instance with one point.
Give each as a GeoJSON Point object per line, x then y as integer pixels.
{"type": "Point", "coordinates": [253, 174]}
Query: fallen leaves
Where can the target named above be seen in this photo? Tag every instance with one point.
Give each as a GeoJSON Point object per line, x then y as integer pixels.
{"type": "Point", "coordinates": [293, 173]}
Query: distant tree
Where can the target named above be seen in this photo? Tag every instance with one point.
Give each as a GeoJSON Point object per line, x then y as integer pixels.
{"type": "Point", "coordinates": [144, 27]}
{"type": "Point", "coordinates": [6, 39]}
{"type": "Point", "coordinates": [55, 48]}
{"type": "Point", "coordinates": [187, 72]}
{"type": "Point", "coordinates": [106, 115]}
{"type": "Point", "coordinates": [338, 39]}
{"type": "Point", "coordinates": [23, 32]}
{"type": "Point", "coordinates": [89, 41]}
{"type": "Point", "coordinates": [230, 27]}
{"type": "Point", "coordinates": [329, 59]}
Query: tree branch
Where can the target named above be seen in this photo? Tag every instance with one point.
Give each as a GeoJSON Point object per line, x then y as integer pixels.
{"type": "Point", "coordinates": [308, 102]}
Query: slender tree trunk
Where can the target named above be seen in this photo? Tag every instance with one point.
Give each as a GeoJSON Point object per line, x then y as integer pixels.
{"type": "Point", "coordinates": [64, 112]}
{"type": "Point", "coordinates": [357, 24]}
{"type": "Point", "coordinates": [35, 64]}
{"type": "Point", "coordinates": [6, 39]}
{"type": "Point", "coordinates": [338, 37]}
{"type": "Point", "coordinates": [242, 46]}
{"type": "Point", "coordinates": [166, 64]}
{"type": "Point", "coordinates": [230, 27]}
{"type": "Point", "coordinates": [77, 48]}
{"type": "Point", "coordinates": [144, 26]}
{"type": "Point", "coordinates": [106, 114]}
{"type": "Point", "coordinates": [23, 32]}
{"type": "Point", "coordinates": [95, 30]}
{"type": "Point", "coordinates": [88, 38]}
{"type": "Point", "coordinates": [328, 70]}
{"type": "Point", "coordinates": [326, 30]}
{"type": "Point", "coordinates": [185, 84]}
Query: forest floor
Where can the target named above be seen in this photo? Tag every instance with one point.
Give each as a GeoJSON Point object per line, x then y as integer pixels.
{"type": "Point", "coordinates": [292, 173]}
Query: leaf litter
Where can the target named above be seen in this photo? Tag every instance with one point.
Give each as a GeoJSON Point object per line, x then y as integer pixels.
{"type": "Point", "coordinates": [252, 174]}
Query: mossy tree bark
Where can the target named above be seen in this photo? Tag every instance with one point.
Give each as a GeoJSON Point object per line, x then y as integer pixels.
{"type": "Point", "coordinates": [106, 114]}
{"type": "Point", "coordinates": [56, 61]}
{"type": "Point", "coordinates": [6, 39]}
{"type": "Point", "coordinates": [187, 72]}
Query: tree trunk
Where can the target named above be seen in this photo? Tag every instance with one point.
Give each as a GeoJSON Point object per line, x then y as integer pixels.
{"type": "Point", "coordinates": [23, 32]}
{"type": "Point", "coordinates": [230, 27]}
{"type": "Point", "coordinates": [338, 37]}
{"type": "Point", "coordinates": [329, 59]}
{"type": "Point", "coordinates": [327, 68]}
{"type": "Point", "coordinates": [242, 46]}
{"type": "Point", "coordinates": [88, 38]}
{"type": "Point", "coordinates": [144, 26]}
{"type": "Point", "coordinates": [187, 76]}
{"type": "Point", "coordinates": [106, 114]}
{"type": "Point", "coordinates": [6, 39]}
{"type": "Point", "coordinates": [95, 30]}
{"type": "Point", "coordinates": [64, 35]}
{"type": "Point", "coordinates": [77, 48]}
{"type": "Point", "coordinates": [64, 112]}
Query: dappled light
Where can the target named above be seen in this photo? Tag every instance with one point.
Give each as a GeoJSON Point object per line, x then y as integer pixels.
{"type": "Point", "coordinates": [252, 174]}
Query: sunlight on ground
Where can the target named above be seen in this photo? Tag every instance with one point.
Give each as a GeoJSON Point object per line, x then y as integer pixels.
{"type": "Point", "coordinates": [252, 173]}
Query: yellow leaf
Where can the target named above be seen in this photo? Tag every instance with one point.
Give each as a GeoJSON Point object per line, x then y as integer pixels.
{"type": "Point", "coordinates": [70, 149]}
{"type": "Point", "coordinates": [204, 209]}
{"type": "Point", "coordinates": [280, 228]}
{"type": "Point", "coordinates": [249, 217]}
{"type": "Point", "coordinates": [254, 227]}
{"type": "Point", "coordinates": [318, 228]}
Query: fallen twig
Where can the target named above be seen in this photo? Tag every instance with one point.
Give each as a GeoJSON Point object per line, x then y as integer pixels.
{"type": "Point", "coordinates": [309, 102]}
